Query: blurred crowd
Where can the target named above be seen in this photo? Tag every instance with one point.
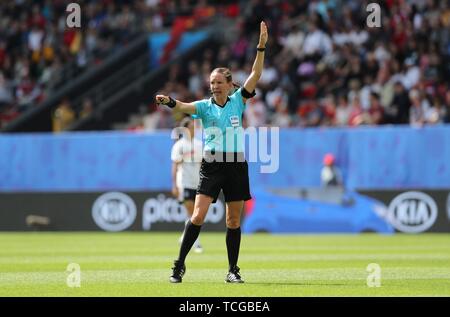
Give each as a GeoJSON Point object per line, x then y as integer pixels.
{"type": "Point", "coordinates": [325, 67]}
{"type": "Point", "coordinates": [39, 53]}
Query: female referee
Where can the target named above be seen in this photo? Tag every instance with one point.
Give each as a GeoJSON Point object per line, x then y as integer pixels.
{"type": "Point", "coordinates": [222, 112]}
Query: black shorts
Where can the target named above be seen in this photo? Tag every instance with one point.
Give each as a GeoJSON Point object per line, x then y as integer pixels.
{"type": "Point", "coordinates": [186, 194]}
{"type": "Point", "coordinates": [231, 177]}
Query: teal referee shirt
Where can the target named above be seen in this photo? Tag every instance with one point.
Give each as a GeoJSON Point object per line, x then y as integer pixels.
{"type": "Point", "coordinates": [222, 125]}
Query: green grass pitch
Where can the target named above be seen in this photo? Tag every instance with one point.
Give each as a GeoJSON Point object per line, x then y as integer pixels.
{"type": "Point", "coordinates": [138, 264]}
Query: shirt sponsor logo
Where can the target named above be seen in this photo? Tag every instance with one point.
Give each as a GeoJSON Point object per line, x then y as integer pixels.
{"type": "Point", "coordinates": [234, 121]}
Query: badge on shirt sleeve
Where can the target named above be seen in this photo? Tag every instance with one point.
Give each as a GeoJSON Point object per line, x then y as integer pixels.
{"type": "Point", "coordinates": [234, 121]}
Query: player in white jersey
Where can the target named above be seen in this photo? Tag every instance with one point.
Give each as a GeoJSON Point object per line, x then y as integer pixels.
{"type": "Point", "coordinates": [186, 160]}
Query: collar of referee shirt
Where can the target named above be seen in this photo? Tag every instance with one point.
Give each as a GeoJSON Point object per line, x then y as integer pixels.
{"type": "Point", "coordinates": [214, 101]}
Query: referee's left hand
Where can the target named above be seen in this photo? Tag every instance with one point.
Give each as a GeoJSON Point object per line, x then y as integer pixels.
{"type": "Point", "coordinates": [162, 100]}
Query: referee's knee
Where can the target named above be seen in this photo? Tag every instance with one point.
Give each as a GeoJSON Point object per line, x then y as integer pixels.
{"type": "Point", "coordinates": [233, 224]}
{"type": "Point", "coordinates": [197, 219]}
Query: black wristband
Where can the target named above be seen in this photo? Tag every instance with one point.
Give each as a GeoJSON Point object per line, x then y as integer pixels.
{"type": "Point", "coordinates": [260, 49]}
{"type": "Point", "coordinates": [172, 103]}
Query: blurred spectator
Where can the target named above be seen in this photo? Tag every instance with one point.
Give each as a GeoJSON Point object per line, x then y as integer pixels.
{"type": "Point", "coordinates": [8, 113]}
{"type": "Point", "coordinates": [412, 74]}
{"type": "Point", "coordinates": [27, 92]}
{"type": "Point", "coordinates": [419, 108]}
{"type": "Point", "coordinates": [399, 108]}
{"type": "Point", "coordinates": [86, 108]}
{"type": "Point", "coordinates": [311, 114]}
{"type": "Point", "coordinates": [329, 111]}
{"type": "Point", "coordinates": [436, 113]}
{"type": "Point", "coordinates": [316, 42]}
{"type": "Point", "coordinates": [447, 107]}
{"type": "Point", "coordinates": [357, 115]}
{"type": "Point", "coordinates": [239, 48]}
{"type": "Point", "coordinates": [63, 116]}
{"type": "Point", "coordinates": [281, 118]}
{"type": "Point", "coordinates": [6, 97]}
{"type": "Point", "coordinates": [159, 119]}
{"type": "Point", "coordinates": [292, 43]}
{"type": "Point", "coordinates": [330, 174]}
{"type": "Point", "coordinates": [255, 112]}
{"type": "Point", "coordinates": [195, 79]}
{"type": "Point", "coordinates": [343, 111]}
{"type": "Point", "coordinates": [376, 111]}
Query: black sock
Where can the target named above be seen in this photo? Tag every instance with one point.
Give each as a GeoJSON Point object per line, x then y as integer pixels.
{"type": "Point", "coordinates": [191, 233]}
{"type": "Point", "coordinates": [233, 244]}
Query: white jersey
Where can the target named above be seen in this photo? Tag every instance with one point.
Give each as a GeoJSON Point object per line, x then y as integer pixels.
{"type": "Point", "coordinates": [189, 154]}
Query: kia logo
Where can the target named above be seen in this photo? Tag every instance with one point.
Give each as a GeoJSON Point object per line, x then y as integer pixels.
{"type": "Point", "coordinates": [412, 212]}
{"type": "Point", "coordinates": [114, 211]}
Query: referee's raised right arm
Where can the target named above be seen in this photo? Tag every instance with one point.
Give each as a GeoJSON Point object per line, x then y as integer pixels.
{"type": "Point", "coordinates": [188, 108]}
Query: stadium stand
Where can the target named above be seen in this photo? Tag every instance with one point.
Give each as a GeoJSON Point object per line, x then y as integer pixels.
{"type": "Point", "coordinates": [324, 65]}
